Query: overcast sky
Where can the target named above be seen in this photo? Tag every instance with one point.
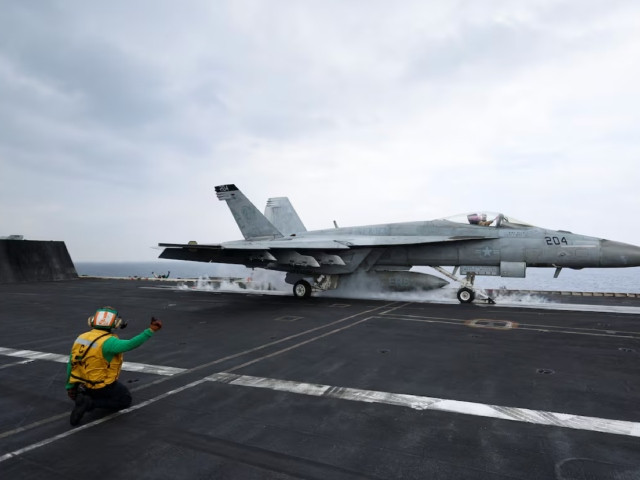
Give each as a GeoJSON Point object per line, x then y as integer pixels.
{"type": "Point", "coordinates": [118, 118]}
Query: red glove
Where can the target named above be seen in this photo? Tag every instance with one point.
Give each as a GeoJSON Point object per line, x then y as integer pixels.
{"type": "Point", "coordinates": [155, 324]}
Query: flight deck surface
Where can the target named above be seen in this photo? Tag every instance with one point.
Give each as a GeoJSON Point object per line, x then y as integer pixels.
{"type": "Point", "coordinates": [253, 386]}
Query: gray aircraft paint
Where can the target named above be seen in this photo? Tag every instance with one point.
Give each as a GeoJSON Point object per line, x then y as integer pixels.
{"type": "Point", "coordinates": [283, 216]}
{"type": "Point", "coordinates": [505, 247]}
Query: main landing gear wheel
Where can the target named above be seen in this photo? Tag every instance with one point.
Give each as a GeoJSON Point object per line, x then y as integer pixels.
{"type": "Point", "coordinates": [302, 289]}
{"type": "Point", "coordinates": [466, 295]}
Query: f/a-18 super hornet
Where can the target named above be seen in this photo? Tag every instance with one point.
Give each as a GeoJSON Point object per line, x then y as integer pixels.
{"type": "Point", "coordinates": [479, 243]}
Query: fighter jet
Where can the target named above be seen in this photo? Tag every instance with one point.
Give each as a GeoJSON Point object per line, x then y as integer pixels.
{"type": "Point", "coordinates": [477, 243]}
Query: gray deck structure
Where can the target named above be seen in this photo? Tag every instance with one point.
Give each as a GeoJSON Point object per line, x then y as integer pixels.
{"type": "Point", "coordinates": [34, 260]}
{"type": "Point", "coordinates": [250, 386]}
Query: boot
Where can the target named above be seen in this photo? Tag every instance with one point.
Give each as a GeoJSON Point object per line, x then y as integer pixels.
{"type": "Point", "coordinates": [83, 404]}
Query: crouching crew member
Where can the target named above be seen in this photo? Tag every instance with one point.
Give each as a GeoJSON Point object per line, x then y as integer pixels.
{"type": "Point", "coordinates": [95, 363]}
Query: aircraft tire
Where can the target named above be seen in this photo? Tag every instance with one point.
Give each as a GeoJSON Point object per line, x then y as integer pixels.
{"type": "Point", "coordinates": [302, 289]}
{"type": "Point", "coordinates": [466, 295]}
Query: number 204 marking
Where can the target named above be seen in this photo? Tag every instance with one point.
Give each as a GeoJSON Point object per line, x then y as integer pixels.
{"type": "Point", "coordinates": [556, 240]}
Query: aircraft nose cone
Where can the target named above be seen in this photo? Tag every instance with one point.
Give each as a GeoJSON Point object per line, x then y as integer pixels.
{"type": "Point", "coordinates": [618, 254]}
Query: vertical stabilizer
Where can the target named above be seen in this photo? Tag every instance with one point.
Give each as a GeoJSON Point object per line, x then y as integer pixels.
{"type": "Point", "coordinates": [251, 222]}
{"type": "Point", "coordinates": [283, 216]}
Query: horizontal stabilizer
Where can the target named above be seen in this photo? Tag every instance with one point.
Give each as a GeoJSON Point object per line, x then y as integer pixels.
{"type": "Point", "coordinates": [191, 246]}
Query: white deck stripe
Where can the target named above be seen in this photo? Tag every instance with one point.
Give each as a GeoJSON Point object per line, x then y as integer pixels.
{"type": "Point", "coordinates": [619, 427]}
{"type": "Point", "coordinates": [54, 357]}
{"type": "Point", "coordinates": [571, 307]}
{"type": "Point", "coordinates": [47, 441]}
{"type": "Point", "coordinates": [579, 422]}
{"type": "Point", "coordinates": [22, 362]}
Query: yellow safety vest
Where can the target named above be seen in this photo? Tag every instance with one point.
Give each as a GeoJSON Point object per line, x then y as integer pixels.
{"type": "Point", "coordinates": [89, 366]}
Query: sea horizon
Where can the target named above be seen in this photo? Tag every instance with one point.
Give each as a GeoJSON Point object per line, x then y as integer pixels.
{"type": "Point", "coordinates": [617, 280]}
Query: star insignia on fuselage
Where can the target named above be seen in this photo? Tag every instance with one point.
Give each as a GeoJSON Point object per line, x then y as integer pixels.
{"type": "Point", "coordinates": [487, 252]}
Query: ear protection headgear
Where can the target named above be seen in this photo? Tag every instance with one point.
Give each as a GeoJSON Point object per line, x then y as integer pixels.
{"type": "Point", "coordinates": [106, 318]}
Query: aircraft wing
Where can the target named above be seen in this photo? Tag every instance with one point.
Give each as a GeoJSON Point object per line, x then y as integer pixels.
{"type": "Point", "coordinates": [278, 244]}
{"type": "Point", "coordinates": [336, 254]}
{"type": "Point", "coordinates": [342, 242]}
{"type": "Point", "coordinates": [400, 240]}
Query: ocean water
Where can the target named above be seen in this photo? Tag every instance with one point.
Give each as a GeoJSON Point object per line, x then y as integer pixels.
{"type": "Point", "coordinates": [618, 280]}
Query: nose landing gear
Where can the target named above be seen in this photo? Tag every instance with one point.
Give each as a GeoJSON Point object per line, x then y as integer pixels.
{"type": "Point", "coordinates": [466, 293]}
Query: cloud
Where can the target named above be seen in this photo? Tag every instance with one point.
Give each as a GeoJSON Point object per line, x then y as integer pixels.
{"type": "Point", "coordinates": [128, 114]}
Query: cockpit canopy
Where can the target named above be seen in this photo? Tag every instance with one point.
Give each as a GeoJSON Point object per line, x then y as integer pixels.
{"type": "Point", "coordinates": [487, 219]}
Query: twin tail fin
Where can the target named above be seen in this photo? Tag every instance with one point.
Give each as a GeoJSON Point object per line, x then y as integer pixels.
{"type": "Point", "coordinates": [251, 222]}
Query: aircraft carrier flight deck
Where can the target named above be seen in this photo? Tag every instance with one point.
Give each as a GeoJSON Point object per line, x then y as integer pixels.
{"type": "Point", "coordinates": [241, 385]}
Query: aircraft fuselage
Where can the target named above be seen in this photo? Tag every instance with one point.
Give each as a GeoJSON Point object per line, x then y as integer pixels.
{"type": "Point", "coordinates": [526, 246]}
{"type": "Point", "coordinates": [479, 243]}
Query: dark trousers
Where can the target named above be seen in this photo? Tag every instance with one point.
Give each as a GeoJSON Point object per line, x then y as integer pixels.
{"type": "Point", "coordinates": [113, 397]}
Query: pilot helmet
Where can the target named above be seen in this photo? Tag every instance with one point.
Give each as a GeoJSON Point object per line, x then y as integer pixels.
{"type": "Point", "coordinates": [106, 318]}
{"type": "Point", "coordinates": [473, 218]}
